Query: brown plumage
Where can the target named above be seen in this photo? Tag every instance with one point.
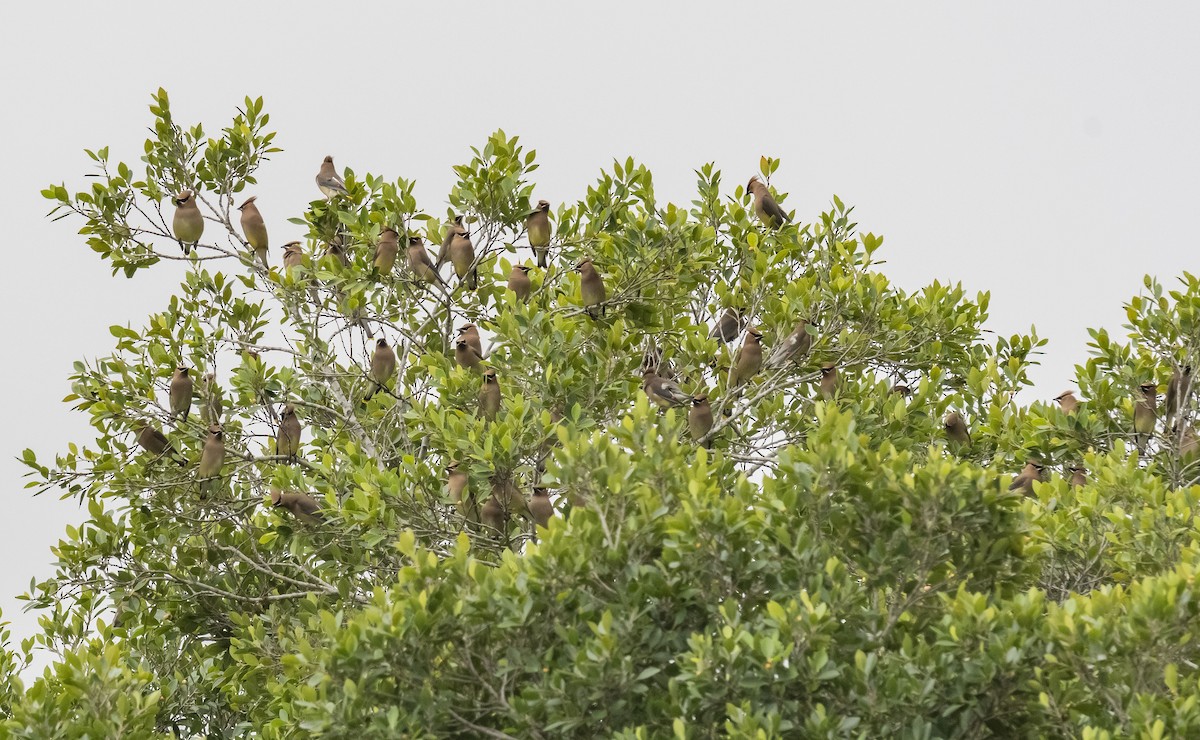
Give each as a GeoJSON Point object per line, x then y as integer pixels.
{"type": "Point", "coordinates": [493, 515]}
{"type": "Point", "coordinates": [1177, 391]}
{"type": "Point", "coordinates": [466, 356]}
{"type": "Point", "coordinates": [765, 207]}
{"type": "Point", "coordinates": [180, 396]}
{"type": "Point", "coordinates": [293, 255]}
{"type": "Point", "coordinates": [748, 361]}
{"type": "Point", "coordinates": [212, 457]}
{"type": "Point", "coordinates": [336, 250]}
{"type": "Point", "coordinates": [386, 250]}
{"type": "Point", "coordinates": [469, 333]}
{"type": "Point", "coordinates": [519, 282]}
{"type": "Point", "coordinates": [254, 229]}
{"type": "Point", "coordinates": [287, 439]}
{"type": "Point", "coordinates": [795, 348]}
{"type": "Point", "coordinates": [956, 429]}
{"type": "Point", "coordinates": [420, 263]}
{"type": "Point", "coordinates": [729, 326]}
{"type": "Point", "coordinates": [462, 256]}
{"type": "Point", "coordinates": [457, 481]}
{"type": "Point", "coordinates": [700, 419]}
{"type": "Point", "coordinates": [329, 181]}
{"type": "Point", "coordinates": [188, 222]}
{"type": "Point", "coordinates": [489, 395]}
{"type": "Point", "coordinates": [900, 389]}
{"type": "Point", "coordinates": [829, 381]}
{"type": "Point", "coordinates": [540, 507]}
{"type": "Point", "coordinates": [447, 237]}
{"type": "Point", "coordinates": [1145, 413]}
{"type": "Point", "coordinates": [1024, 480]}
{"type": "Point", "coordinates": [300, 505]}
{"type": "Point", "coordinates": [665, 393]}
{"type": "Point", "coordinates": [538, 228]}
{"type": "Point", "coordinates": [591, 287]}
{"type": "Point", "coordinates": [155, 442]}
{"type": "Point", "coordinates": [1067, 401]}
{"type": "Point", "coordinates": [383, 366]}
{"type": "Point", "coordinates": [1078, 475]}
{"type": "Point", "coordinates": [212, 400]}
{"type": "Point", "coordinates": [506, 493]}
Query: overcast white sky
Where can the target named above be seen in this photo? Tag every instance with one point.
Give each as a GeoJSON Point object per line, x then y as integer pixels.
{"type": "Point", "coordinates": [1047, 152]}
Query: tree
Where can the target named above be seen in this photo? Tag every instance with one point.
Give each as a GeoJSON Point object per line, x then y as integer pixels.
{"type": "Point", "coordinates": [826, 561]}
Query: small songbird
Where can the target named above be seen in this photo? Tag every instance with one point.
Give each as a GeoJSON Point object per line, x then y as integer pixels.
{"type": "Point", "coordinates": [155, 442]}
{"type": "Point", "coordinates": [829, 380]}
{"type": "Point", "coordinates": [493, 515]}
{"type": "Point", "coordinates": [506, 493]}
{"type": "Point", "coordinates": [293, 255]}
{"type": "Point", "coordinates": [1078, 475]}
{"type": "Point", "coordinates": [212, 400]}
{"type": "Point", "coordinates": [301, 505]}
{"type": "Point", "coordinates": [329, 181]}
{"type": "Point", "coordinates": [287, 439]}
{"type": "Point", "coordinates": [768, 211]}
{"type": "Point", "coordinates": [540, 506]}
{"type": "Point", "coordinates": [212, 457]}
{"type": "Point", "coordinates": [383, 366]}
{"type": "Point", "coordinates": [729, 326]}
{"type": "Point", "coordinates": [469, 333]}
{"type": "Point", "coordinates": [386, 251]}
{"type": "Point", "coordinates": [700, 418]}
{"type": "Point", "coordinates": [665, 393]}
{"type": "Point", "coordinates": [462, 256]}
{"type": "Point", "coordinates": [188, 223]}
{"type": "Point", "coordinates": [420, 263]}
{"type": "Point", "coordinates": [900, 389]}
{"type": "Point", "coordinates": [956, 429]}
{"type": "Point", "coordinates": [335, 249]}
{"type": "Point", "coordinates": [519, 282]}
{"type": "Point", "coordinates": [489, 395]}
{"type": "Point", "coordinates": [591, 287]}
{"type": "Point", "coordinates": [180, 396]}
{"type": "Point", "coordinates": [1067, 401]}
{"type": "Point", "coordinates": [465, 355]}
{"type": "Point", "coordinates": [447, 237]}
{"type": "Point", "coordinates": [254, 229]}
{"type": "Point", "coordinates": [538, 226]}
{"type": "Point", "coordinates": [1024, 480]}
{"type": "Point", "coordinates": [795, 348]}
{"type": "Point", "coordinates": [1145, 414]}
{"type": "Point", "coordinates": [1189, 444]}
{"type": "Point", "coordinates": [1177, 391]}
{"type": "Point", "coordinates": [748, 361]}
{"type": "Point", "coordinates": [457, 480]}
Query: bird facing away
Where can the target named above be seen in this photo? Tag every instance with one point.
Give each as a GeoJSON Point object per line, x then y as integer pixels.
{"type": "Point", "coordinates": [748, 361]}
{"type": "Point", "coordinates": [180, 396]}
{"type": "Point", "coordinates": [519, 282]}
{"type": "Point", "coordinates": [287, 439]}
{"type": "Point", "coordinates": [469, 333]}
{"type": "Point", "coordinates": [212, 457]}
{"type": "Point", "coordinates": [540, 506]}
{"type": "Point", "coordinates": [538, 226]}
{"type": "Point", "coordinates": [212, 400]}
{"type": "Point", "coordinates": [329, 181]}
{"type": "Point", "coordinates": [493, 515]}
{"type": "Point", "coordinates": [465, 355]}
{"type": "Point", "coordinates": [457, 480]}
{"type": "Point", "coordinates": [1024, 480]}
{"type": "Point", "coordinates": [383, 366]}
{"type": "Point", "coordinates": [1177, 391]}
{"type": "Point", "coordinates": [665, 393]}
{"type": "Point", "coordinates": [728, 327]}
{"type": "Point", "coordinates": [1078, 475]}
{"type": "Point", "coordinates": [795, 348]}
{"type": "Point", "coordinates": [765, 207]}
{"type": "Point", "coordinates": [489, 395]}
{"type": "Point", "coordinates": [301, 505]}
{"type": "Point", "coordinates": [420, 263]}
{"type": "Point", "coordinates": [956, 429]}
{"type": "Point", "coordinates": [1145, 414]}
{"type": "Point", "coordinates": [462, 256]}
{"type": "Point", "coordinates": [188, 223]}
{"type": "Point", "coordinates": [591, 287]}
{"type": "Point", "coordinates": [829, 381]}
{"type": "Point", "coordinates": [155, 442]}
{"type": "Point", "coordinates": [254, 229]}
{"type": "Point", "coordinates": [447, 237]}
{"type": "Point", "coordinates": [1067, 401]}
{"type": "Point", "coordinates": [700, 419]}
{"type": "Point", "coordinates": [293, 255]}
{"type": "Point", "coordinates": [386, 251]}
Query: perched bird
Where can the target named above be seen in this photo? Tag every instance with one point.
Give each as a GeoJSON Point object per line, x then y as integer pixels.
{"type": "Point", "coordinates": [383, 366]}
{"type": "Point", "coordinates": [188, 223]}
{"type": "Point", "coordinates": [465, 355]}
{"type": "Point", "coordinates": [1177, 391]}
{"type": "Point", "coordinates": [829, 380]}
{"type": "Point", "coordinates": [700, 418]}
{"type": "Point", "coordinates": [335, 249]}
{"type": "Point", "coordinates": [420, 263]}
{"type": "Point", "coordinates": [469, 333]}
{"type": "Point", "coordinates": [749, 359]}
{"type": "Point", "coordinates": [1145, 414]}
{"type": "Point", "coordinates": [1189, 444]}
{"type": "Point", "coordinates": [538, 226]}
{"type": "Point", "coordinates": [293, 255]}
{"type": "Point", "coordinates": [287, 439]}
{"type": "Point", "coordinates": [457, 480]}
{"type": "Point", "coordinates": [900, 389]}
{"type": "Point", "coordinates": [444, 252]}
{"type": "Point", "coordinates": [155, 442]}
{"type": "Point", "coordinates": [386, 251]}
{"type": "Point", "coordinates": [956, 429]}
{"type": "Point", "coordinates": [519, 282]}
{"type": "Point", "coordinates": [462, 256]}
{"type": "Point", "coordinates": [1024, 480]}
{"type": "Point", "coordinates": [540, 507]}
{"type": "Point", "coordinates": [180, 396]}
{"type": "Point", "coordinates": [768, 211]}
{"type": "Point", "coordinates": [729, 326]}
{"type": "Point", "coordinates": [212, 400]}
{"type": "Point", "coordinates": [591, 287]}
{"type": "Point", "coordinates": [329, 181]}
{"type": "Point", "coordinates": [1078, 475]}
{"type": "Point", "coordinates": [301, 505]}
{"type": "Point", "coordinates": [493, 515]}
{"type": "Point", "coordinates": [665, 393]}
{"type": "Point", "coordinates": [795, 348]}
{"type": "Point", "coordinates": [254, 229]}
{"type": "Point", "coordinates": [489, 395]}
{"type": "Point", "coordinates": [506, 493]}
{"type": "Point", "coordinates": [1067, 401]}
{"type": "Point", "coordinates": [212, 456]}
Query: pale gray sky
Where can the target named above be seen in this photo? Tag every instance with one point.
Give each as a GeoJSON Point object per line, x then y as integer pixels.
{"type": "Point", "coordinates": [1047, 152]}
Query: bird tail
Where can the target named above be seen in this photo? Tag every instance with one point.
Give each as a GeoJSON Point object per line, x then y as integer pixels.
{"type": "Point", "coordinates": [543, 257]}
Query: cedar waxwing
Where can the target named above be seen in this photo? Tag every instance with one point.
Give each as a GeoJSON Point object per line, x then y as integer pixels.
{"type": "Point", "coordinates": [1078, 475]}
{"type": "Point", "coordinates": [506, 493]}
{"type": "Point", "coordinates": [212, 456]}
{"type": "Point", "coordinates": [519, 282]}
{"type": "Point", "coordinates": [492, 515]}
{"type": "Point", "coordinates": [729, 326]}
{"type": "Point", "coordinates": [155, 442]}
{"type": "Point", "coordinates": [540, 507]}
{"type": "Point", "coordinates": [188, 223]}
{"type": "Point", "coordinates": [700, 419]}
{"type": "Point", "coordinates": [465, 355]}
{"type": "Point", "coordinates": [795, 347]}
{"type": "Point", "coordinates": [469, 333]}
{"type": "Point", "coordinates": [444, 253]}
{"type": "Point", "coordinates": [287, 439]}
{"type": "Point", "coordinates": [489, 395]}
{"type": "Point", "coordinates": [829, 380]}
{"type": "Point", "coordinates": [329, 181]}
{"type": "Point", "coordinates": [180, 396]}
{"type": "Point", "coordinates": [383, 366]}
{"type": "Point", "coordinates": [956, 429]}
{"type": "Point", "coordinates": [462, 256]}
{"type": "Point", "coordinates": [254, 229]}
{"type": "Point", "coordinates": [1067, 401]}
{"type": "Point", "coordinates": [769, 212]}
{"type": "Point", "coordinates": [386, 251]}
{"type": "Point", "coordinates": [1024, 480]}
{"type": "Point", "coordinates": [419, 262]}
{"type": "Point", "coordinates": [591, 287]}
{"type": "Point", "coordinates": [1177, 390]}
{"type": "Point", "coordinates": [538, 226]}
{"type": "Point", "coordinates": [663, 392]}
{"type": "Point", "coordinates": [902, 390]}
{"type": "Point", "coordinates": [1189, 444]}
{"type": "Point", "coordinates": [334, 248]}
{"type": "Point", "coordinates": [301, 505]}
{"type": "Point", "coordinates": [293, 255]}
{"type": "Point", "coordinates": [1145, 414]}
{"type": "Point", "coordinates": [212, 400]}
{"type": "Point", "coordinates": [748, 360]}
{"type": "Point", "coordinates": [457, 480]}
